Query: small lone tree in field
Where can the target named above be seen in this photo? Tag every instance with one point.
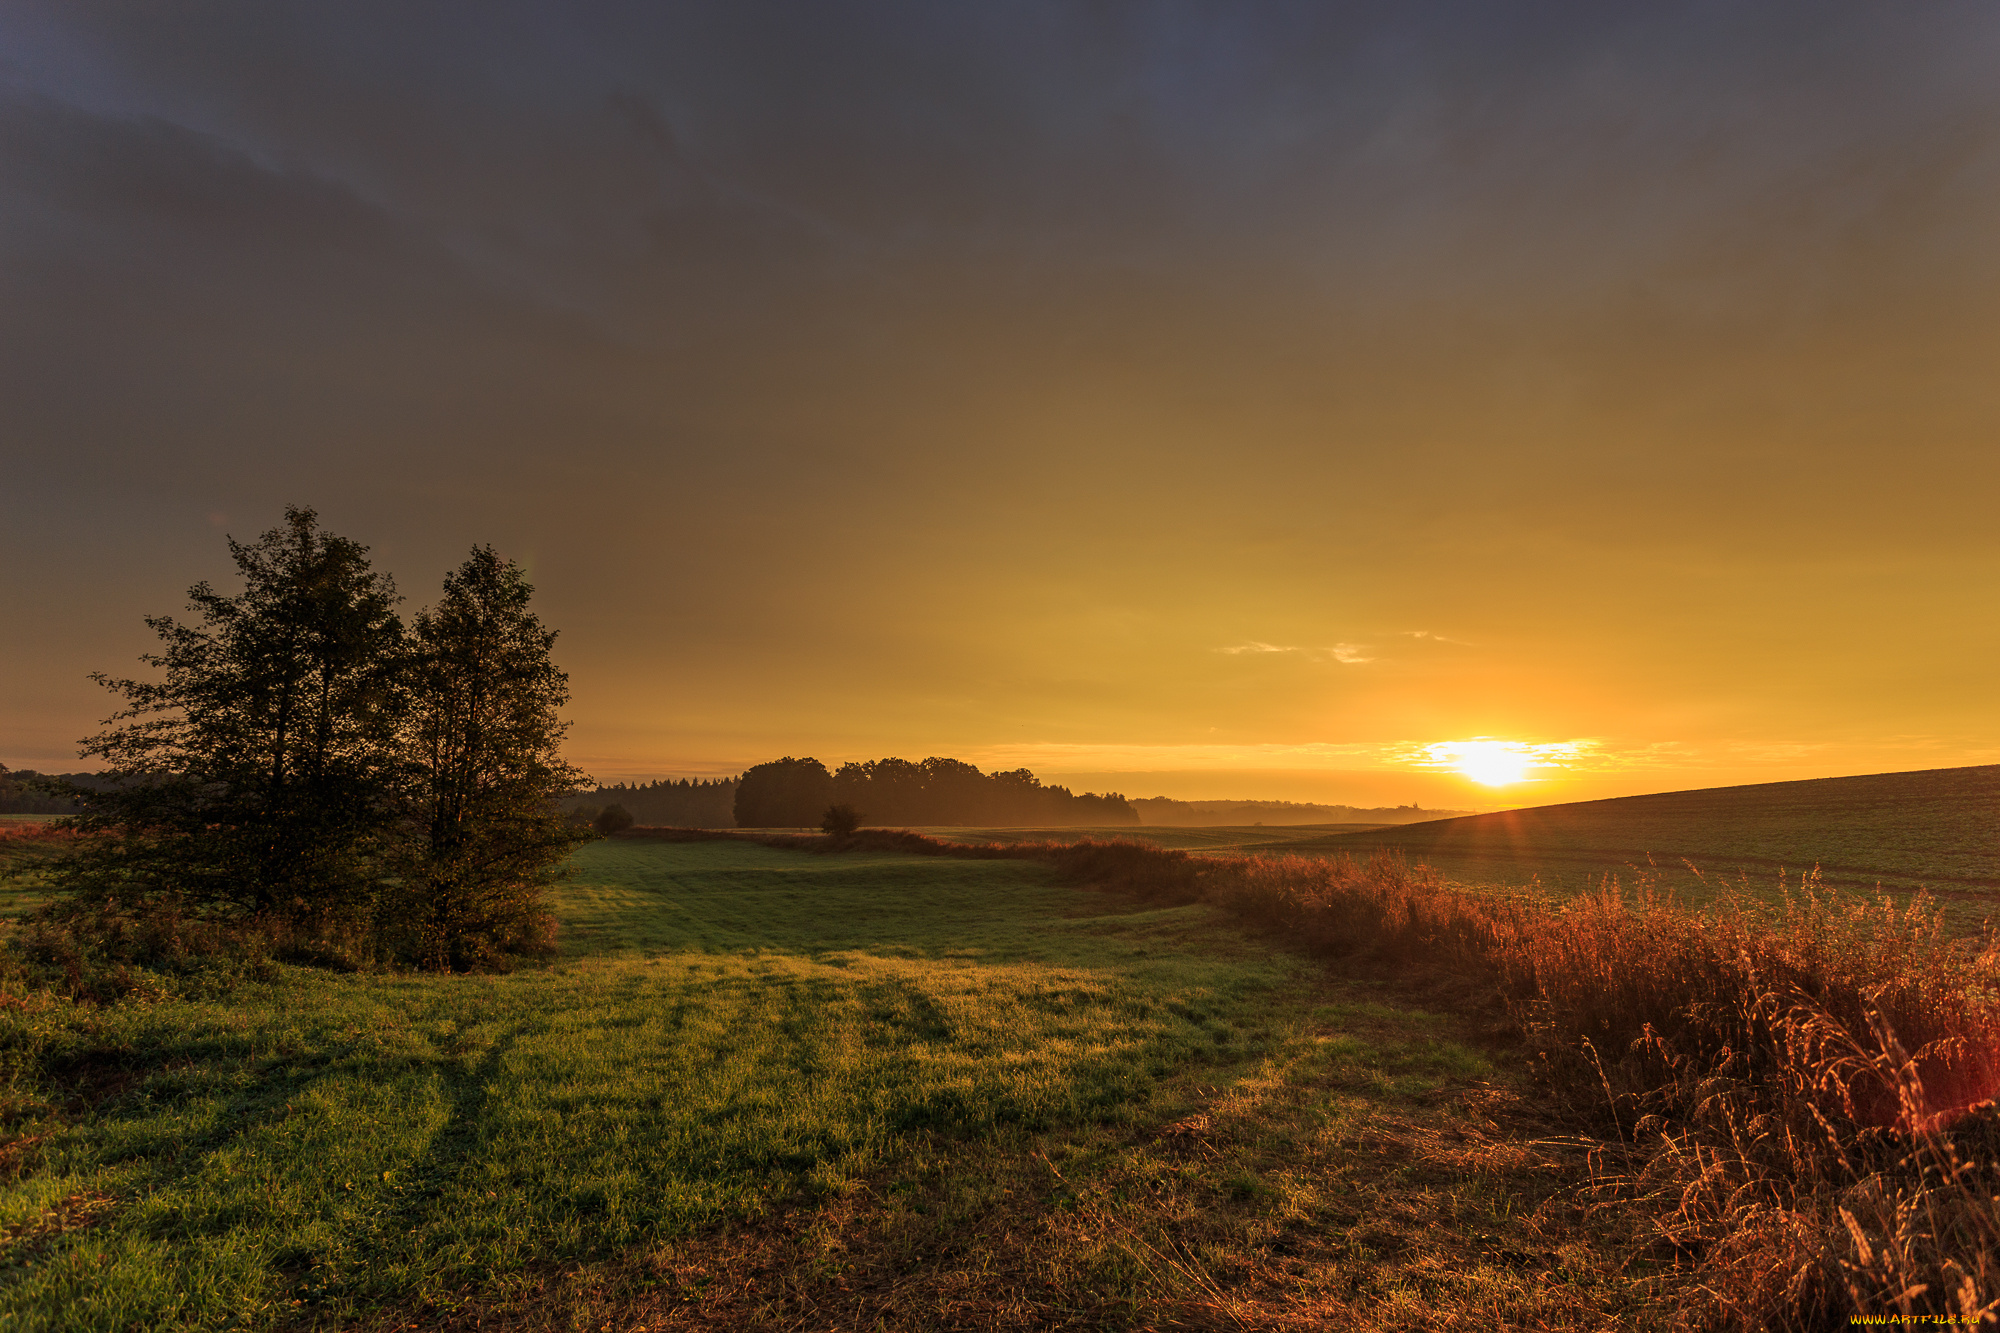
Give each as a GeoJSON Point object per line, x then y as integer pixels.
{"type": "Point", "coordinates": [257, 773]}
{"type": "Point", "coordinates": [613, 818]}
{"type": "Point", "coordinates": [840, 821]}
{"type": "Point", "coordinates": [483, 773]}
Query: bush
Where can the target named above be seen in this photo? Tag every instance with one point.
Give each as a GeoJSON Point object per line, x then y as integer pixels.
{"type": "Point", "coordinates": [840, 821]}
{"type": "Point", "coordinates": [612, 819]}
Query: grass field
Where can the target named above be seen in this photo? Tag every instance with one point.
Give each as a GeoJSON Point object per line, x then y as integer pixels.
{"type": "Point", "coordinates": [24, 848]}
{"type": "Point", "coordinates": [764, 1089]}
{"type": "Point", "coordinates": [1937, 830]}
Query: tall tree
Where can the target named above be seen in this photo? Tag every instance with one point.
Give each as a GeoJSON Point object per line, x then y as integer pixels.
{"type": "Point", "coordinates": [256, 771]}
{"type": "Point", "coordinates": [484, 772]}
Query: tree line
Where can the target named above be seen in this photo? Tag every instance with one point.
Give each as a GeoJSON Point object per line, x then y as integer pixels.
{"type": "Point", "coordinates": [792, 793]}
{"type": "Point", "coordinates": [673, 803]}
{"type": "Point", "coordinates": [305, 755]}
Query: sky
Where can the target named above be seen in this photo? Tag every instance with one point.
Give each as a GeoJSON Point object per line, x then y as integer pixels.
{"type": "Point", "coordinates": [1301, 401]}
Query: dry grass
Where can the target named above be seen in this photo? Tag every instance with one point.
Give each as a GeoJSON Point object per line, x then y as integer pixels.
{"type": "Point", "coordinates": [1798, 1091]}
{"type": "Point", "coordinates": [23, 832]}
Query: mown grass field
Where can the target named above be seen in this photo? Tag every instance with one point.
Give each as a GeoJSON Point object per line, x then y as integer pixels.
{"type": "Point", "coordinates": [768, 1089]}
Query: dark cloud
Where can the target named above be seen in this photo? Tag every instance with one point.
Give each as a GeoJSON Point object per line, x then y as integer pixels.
{"type": "Point", "coordinates": [1127, 325]}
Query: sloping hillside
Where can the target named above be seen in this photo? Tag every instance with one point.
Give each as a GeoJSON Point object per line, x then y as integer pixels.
{"type": "Point", "coordinates": [1938, 828]}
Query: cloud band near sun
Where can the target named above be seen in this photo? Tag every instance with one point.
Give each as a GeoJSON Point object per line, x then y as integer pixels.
{"type": "Point", "coordinates": [1348, 654]}
{"type": "Point", "coordinates": [1501, 763]}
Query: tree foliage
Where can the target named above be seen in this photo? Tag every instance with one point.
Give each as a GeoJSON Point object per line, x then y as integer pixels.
{"type": "Point", "coordinates": [483, 770]}
{"type": "Point", "coordinates": [944, 792]}
{"type": "Point", "coordinates": [258, 769]}
{"type": "Point", "coordinates": [683, 802]}
{"type": "Point", "coordinates": [785, 793]}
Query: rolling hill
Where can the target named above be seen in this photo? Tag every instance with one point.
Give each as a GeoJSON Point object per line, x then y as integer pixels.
{"type": "Point", "coordinates": [1938, 829]}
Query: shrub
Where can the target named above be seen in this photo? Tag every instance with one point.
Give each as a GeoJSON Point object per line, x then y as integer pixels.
{"type": "Point", "coordinates": [100, 951]}
{"type": "Point", "coordinates": [612, 819]}
{"type": "Point", "coordinates": [840, 821]}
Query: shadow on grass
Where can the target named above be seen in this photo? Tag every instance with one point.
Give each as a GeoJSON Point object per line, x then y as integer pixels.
{"type": "Point", "coordinates": [735, 1030]}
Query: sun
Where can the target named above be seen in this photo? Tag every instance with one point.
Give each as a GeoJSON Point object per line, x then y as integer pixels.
{"type": "Point", "coordinates": [1489, 763]}
{"type": "Point", "coordinates": [1497, 763]}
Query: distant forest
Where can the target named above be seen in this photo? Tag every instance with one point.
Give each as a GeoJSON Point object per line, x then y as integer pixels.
{"type": "Point", "coordinates": [19, 796]}
{"type": "Point", "coordinates": [788, 793]}
{"type": "Point", "coordinates": [795, 793]}
{"type": "Point", "coordinates": [947, 793]}
{"type": "Point", "coordinates": [936, 792]}
{"type": "Point", "coordinates": [688, 803]}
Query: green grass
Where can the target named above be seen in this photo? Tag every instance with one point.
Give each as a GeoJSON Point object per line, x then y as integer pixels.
{"type": "Point", "coordinates": [733, 1033]}
{"type": "Point", "coordinates": [760, 1084]}
{"type": "Point", "coordinates": [22, 861]}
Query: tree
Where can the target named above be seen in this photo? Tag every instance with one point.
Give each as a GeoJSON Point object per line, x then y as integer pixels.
{"type": "Point", "coordinates": [840, 821]}
{"type": "Point", "coordinates": [951, 792]}
{"type": "Point", "coordinates": [483, 773]}
{"type": "Point", "coordinates": [613, 818]}
{"type": "Point", "coordinates": [785, 793]}
{"type": "Point", "coordinates": [256, 774]}
{"type": "Point", "coordinates": [955, 792]}
{"type": "Point", "coordinates": [891, 790]}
